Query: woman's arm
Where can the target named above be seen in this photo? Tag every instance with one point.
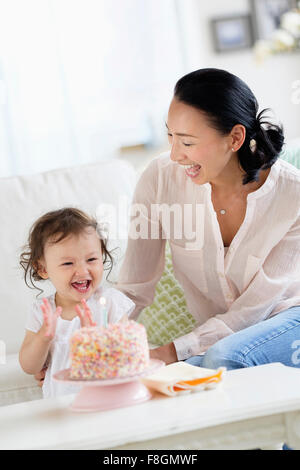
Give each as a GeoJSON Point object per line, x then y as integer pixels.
{"type": "Point", "coordinates": [144, 259]}
{"type": "Point", "coordinates": [270, 285]}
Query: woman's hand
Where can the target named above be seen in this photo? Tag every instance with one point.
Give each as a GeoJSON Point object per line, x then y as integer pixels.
{"type": "Point", "coordinates": [50, 319]}
{"type": "Point", "coordinates": [166, 353]}
{"type": "Point", "coordinates": [124, 319]}
{"type": "Point", "coordinates": [85, 315]}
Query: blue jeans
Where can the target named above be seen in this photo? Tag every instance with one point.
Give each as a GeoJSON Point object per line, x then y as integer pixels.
{"type": "Point", "coordinates": [274, 340]}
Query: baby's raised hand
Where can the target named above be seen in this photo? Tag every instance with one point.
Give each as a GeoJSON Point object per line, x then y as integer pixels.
{"type": "Point", "coordinates": [85, 316]}
{"type": "Point", "coordinates": [50, 318]}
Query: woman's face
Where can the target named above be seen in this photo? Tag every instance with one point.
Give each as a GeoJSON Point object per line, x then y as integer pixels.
{"type": "Point", "coordinates": [194, 142]}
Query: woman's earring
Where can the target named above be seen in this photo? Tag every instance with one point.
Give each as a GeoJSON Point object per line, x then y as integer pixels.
{"type": "Point", "coordinates": [252, 145]}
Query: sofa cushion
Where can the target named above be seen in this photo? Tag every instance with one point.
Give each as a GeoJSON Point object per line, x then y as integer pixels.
{"type": "Point", "coordinates": [15, 385]}
{"type": "Point", "coordinates": [23, 200]}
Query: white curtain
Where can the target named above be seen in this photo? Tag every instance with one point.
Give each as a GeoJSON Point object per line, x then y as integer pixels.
{"type": "Point", "coordinates": [80, 78]}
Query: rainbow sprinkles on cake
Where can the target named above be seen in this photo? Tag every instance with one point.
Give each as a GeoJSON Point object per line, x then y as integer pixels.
{"type": "Point", "coordinates": [118, 350]}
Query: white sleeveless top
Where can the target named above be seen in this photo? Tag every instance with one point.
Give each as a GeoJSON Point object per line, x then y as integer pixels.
{"type": "Point", "coordinates": [58, 359]}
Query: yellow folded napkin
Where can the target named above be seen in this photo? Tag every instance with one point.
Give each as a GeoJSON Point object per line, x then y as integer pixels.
{"type": "Point", "coordinates": [181, 377]}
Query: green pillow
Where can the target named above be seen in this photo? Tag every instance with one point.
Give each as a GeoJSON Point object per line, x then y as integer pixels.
{"type": "Point", "coordinates": [167, 317]}
{"type": "Point", "coordinates": [291, 155]}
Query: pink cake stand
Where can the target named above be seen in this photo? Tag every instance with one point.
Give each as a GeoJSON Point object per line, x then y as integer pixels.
{"type": "Point", "coordinates": [106, 394]}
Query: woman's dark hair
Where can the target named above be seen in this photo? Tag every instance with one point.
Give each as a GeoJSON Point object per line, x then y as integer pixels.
{"type": "Point", "coordinates": [53, 227]}
{"type": "Point", "coordinates": [227, 100]}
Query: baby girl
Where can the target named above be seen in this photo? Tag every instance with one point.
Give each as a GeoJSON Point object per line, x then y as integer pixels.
{"type": "Point", "coordinates": [65, 247]}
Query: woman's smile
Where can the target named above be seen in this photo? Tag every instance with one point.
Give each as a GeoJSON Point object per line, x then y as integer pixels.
{"type": "Point", "coordinates": [192, 171]}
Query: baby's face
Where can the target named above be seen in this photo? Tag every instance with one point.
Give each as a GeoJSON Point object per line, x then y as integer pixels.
{"type": "Point", "coordinates": [75, 266]}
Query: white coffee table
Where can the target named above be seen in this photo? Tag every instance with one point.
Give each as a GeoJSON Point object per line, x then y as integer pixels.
{"type": "Point", "coordinates": [258, 407]}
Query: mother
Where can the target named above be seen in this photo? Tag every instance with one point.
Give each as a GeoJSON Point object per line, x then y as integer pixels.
{"type": "Point", "coordinates": [242, 284]}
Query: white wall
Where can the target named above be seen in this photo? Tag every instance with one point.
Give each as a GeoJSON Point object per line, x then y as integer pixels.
{"type": "Point", "coordinates": [271, 81]}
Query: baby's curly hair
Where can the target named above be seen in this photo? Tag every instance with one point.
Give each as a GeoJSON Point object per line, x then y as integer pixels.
{"type": "Point", "coordinates": [55, 226]}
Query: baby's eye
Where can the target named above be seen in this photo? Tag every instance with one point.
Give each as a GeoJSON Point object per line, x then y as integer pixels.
{"type": "Point", "coordinates": [92, 259]}
{"type": "Point", "coordinates": [67, 264]}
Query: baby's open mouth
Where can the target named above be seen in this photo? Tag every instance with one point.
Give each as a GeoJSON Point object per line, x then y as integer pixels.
{"type": "Point", "coordinates": [82, 286]}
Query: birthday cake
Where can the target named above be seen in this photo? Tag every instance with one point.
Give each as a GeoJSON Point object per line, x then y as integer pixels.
{"type": "Point", "coordinates": [120, 350]}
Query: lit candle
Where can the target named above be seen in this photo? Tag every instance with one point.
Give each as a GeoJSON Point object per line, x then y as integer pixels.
{"type": "Point", "coordinates": [102, 301]}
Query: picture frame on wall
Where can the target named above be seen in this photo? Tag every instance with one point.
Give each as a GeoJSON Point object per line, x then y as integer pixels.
{"type": "Point", "coordinates": [266, 15]}
{"type": "Point", "coordinates": [232, 33]}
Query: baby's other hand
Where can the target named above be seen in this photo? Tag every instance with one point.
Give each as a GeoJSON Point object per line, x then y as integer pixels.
{"type": "Point", "coordinates": [40, 377]}
{"type": "Point", "coordinates": [50, 319]}
{"type": "Point", "coordinates": [85, 316]}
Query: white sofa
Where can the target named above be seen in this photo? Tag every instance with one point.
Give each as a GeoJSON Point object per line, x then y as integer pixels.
{"type": "Point", "coordinates": [23, 199]}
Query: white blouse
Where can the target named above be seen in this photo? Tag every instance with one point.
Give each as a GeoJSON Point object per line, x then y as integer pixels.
{"type": "Point", "coordinates": [58, 359]}
{"type": "Point", "coordinates": [258, 277]}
